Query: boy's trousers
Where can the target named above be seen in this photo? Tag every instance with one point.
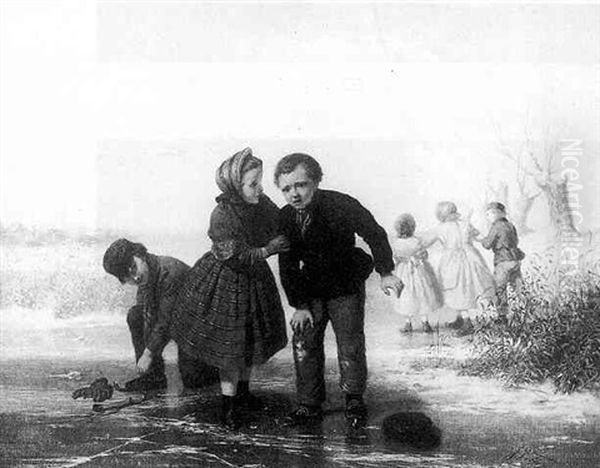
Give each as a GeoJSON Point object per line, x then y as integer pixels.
{"type": "Point", "coordinates": [346, 314]}
{"type": "Point", "coordinates": [194, 373]}
{"type": "Point", "coordinates": [505, 273]}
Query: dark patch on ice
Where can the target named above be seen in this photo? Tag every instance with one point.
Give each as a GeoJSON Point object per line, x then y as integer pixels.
{"type": "Point", "coordinates": [412, 428]}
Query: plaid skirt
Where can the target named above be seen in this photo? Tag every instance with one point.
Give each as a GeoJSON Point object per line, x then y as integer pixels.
{"type": "Point", "coordinates": [229, 318]}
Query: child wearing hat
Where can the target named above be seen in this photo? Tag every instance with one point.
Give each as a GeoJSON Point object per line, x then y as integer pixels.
{"type": "Point", "coordinates": [157, 279]}
{"type": "Point", "coordinates": [503, 240]}
{"type": "Point", "coordinates": [421, 295]}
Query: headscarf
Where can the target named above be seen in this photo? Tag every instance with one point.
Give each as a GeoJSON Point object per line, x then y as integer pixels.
{"type": "Point", "coordinates": [258, 221]}
{"type": "Point", "coordinates": [230, 172]}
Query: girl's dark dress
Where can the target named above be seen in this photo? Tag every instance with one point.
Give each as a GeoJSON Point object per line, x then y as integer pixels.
{"type": "Point", "coordinates": [229, 312]}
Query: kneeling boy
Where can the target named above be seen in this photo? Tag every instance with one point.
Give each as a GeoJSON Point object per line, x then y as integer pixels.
{"type": "Point", "coordinates": [157, 279]}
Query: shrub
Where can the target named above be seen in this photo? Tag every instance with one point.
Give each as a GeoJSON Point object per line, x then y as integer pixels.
{"type": "Point", "coordinates": [553, 332]}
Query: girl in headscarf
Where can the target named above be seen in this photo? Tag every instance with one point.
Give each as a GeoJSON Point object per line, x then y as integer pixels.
{"type": "Point", "coordinates": [229, 312]}
{"type": "Point", "coordinates": [464, 277]}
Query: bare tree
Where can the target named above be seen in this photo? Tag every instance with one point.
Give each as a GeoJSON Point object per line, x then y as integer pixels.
{"type": "Point", "coordinates": [523, 200]}
{"type": "Point", "coordinates": [554, 187]}
{"type": "Point", "coordinates": [535, 162]}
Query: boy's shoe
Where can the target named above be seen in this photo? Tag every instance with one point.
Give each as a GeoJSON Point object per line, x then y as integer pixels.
{"type": "Point", "coordinates": [230, 421]}
{"type": "Point", "coordinates": [408, 328]}
{"type": "Point", "coordinates": [357, 434]}
{"type": "Point", "coordinates": [427, 327]}
{"type": "Point", "coordinates": [304, 415]}
{"type": "Point", "coordinates": [356, 412]}
{"type": "Point", "coordinates": [145, 383]}
{"type": "Point", "coordinates": [457, 324]}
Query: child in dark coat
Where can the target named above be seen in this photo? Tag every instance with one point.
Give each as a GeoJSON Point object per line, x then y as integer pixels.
{"type": "Point", "coordinates": [323, 275]}
{"type": "Point", "coordinates": [158, 280]}
{"type": "Point", "coordinates": [503, 240]}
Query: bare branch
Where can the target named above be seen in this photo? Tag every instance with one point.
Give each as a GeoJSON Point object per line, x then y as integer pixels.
{"type": "Point", "coordinates": [503, 146]}
{"type": "Point", "coordinates": [534, 196]}
{"type": "Point", "coordinates": [521, 179]}
{"type": "Point", "coordinates": [551, 149]}
{"type": "Point", "coordinates": [531, 151]}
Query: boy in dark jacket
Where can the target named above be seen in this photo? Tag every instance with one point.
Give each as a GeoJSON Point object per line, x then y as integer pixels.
{"type": "Point", "coordinates": [323, 275]}
{"type": "Point", "coordinates": [503, 241]}
{"type": "Point", "coordinates": [158, 280]}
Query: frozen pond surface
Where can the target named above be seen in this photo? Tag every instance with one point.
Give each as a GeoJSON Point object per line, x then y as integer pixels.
{"type": "Point", "coordinates": [482, 423]}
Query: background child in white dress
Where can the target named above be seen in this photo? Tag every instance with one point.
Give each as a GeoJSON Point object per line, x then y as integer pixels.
{"type": "Point", "coordinates": [463, 275]}
{"type": "Point", "coordinates": [421, 295]}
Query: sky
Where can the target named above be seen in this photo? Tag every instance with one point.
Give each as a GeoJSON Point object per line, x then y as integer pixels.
{"type": "Point", "coordinates": [115, 115]}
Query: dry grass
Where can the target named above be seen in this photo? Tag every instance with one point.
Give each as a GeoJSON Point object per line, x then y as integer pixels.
{"type": "Point", "coordinates": [65, 277]}
{"type": "Point", "coordinates": [553, 333]}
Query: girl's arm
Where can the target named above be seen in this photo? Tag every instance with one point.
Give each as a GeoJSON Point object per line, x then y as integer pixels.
{"type": "Point", "coordinates": [421, 254]}
{"type": "Point", "coordinates": [229, 243]}
{"type": "Point", "coordinates": [238, 251]}
{"type": "Point", "coordinates": [428, 238]}
{"type": "Point", "coordinates": [473, 232]}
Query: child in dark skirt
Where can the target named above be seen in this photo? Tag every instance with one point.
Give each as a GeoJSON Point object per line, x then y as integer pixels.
{"type": "Point", "coordinates": [229, 311]}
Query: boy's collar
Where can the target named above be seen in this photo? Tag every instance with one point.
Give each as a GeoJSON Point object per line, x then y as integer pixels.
{"type": "Point", "coordinates": [152, 262]}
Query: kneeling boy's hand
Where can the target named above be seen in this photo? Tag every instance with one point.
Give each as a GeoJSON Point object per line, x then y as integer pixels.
{"type": "Point", "coordinates": [144, 361]}
{"type": "Point", "coordinates": [301, 319]}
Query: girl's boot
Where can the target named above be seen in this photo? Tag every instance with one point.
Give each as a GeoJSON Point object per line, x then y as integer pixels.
{"type": "Point", "coordinates": [229, 414]}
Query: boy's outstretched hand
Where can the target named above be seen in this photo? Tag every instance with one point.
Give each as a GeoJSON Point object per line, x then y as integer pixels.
{"type": "Point", "coordinates": [144, 362]}
{"type": "Point", "coordinates": [391, 283]}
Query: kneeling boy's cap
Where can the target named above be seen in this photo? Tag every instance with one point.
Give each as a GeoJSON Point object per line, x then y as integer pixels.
{"type": "Point", "coordinates": [119, 255]}
{"type": "Point", "coordinates": [496, 206]}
